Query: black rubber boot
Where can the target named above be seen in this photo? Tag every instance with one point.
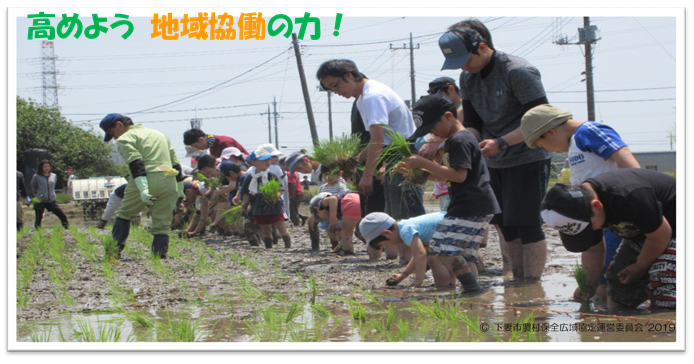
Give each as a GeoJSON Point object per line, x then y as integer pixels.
{"type": "Point", "coordinates": [287, 241]}
{"type": "Point", "coordinates": [268, 243]}
{"type": "Point", "coordinates": [315, 237]}
{"type": "Point", "coordinates": [120, 232]}
{"type": "Point", "coordinates": [469, 282]}
{"type": "Point", "coordinates": [19, 226]}
{"type": "Point", "coordinates": [275, 236]}
{"type": "Point", "coordinates": [250, 234]}
{"type": "Point", "coordinates": [160, 245]}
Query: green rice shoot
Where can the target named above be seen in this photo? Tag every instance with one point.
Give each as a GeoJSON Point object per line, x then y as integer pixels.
{"type": "Point", "coordinates": [394, 153]}
{"type": "Point", "coordinates": [341, 152]}
{"type": "Point", "coordinates": [271, 191]}
{"type": "Point", "coordinates": [233, 215]}
{"type": "Point", "coordinates": [581, 276]}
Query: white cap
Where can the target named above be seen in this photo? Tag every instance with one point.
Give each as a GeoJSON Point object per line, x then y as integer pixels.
{"type": "Point", "coordinates": [271, 149]}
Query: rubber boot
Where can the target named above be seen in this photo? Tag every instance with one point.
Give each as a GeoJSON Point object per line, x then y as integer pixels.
{"type": "Point", "coordinates": [268, 243]}
{"type": "Point", "coordinates": [287, 241]}
{"type": "Point", "coordinates": [19, 226]}
{"type": "Point", "coordinates": [315, 237]}
{"type": "Point", "coordinates": [250, 234]}
{"type": "Point", "coordinates": [120, 232]}
{"type": "Point", "coordinates": [275, 236]}
{"type": "Point", "coordinates": [160, 245]}
{"type": "Point", "coordinates": [468, 282]}
{"type": "Point", "coordinates": [101, 224]}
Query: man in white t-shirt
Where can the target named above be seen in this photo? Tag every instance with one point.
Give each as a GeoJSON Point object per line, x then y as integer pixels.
{"type": "Point", "coordinates": [378, 106]}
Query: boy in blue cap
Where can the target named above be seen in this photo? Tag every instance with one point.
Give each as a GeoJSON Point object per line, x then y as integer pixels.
{"type": "Point", "coordinates": [156, 175]}
{"type": "Point", "coordinates": [265, 214]}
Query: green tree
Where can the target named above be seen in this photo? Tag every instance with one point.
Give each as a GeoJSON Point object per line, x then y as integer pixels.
{"type": "Point", "coordinates": [71, 145]}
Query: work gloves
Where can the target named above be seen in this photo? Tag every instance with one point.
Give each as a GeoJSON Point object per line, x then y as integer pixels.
{"type": "Point", "coordinates": [143, 186]}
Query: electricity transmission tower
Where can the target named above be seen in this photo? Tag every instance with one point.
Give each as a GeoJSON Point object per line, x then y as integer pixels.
{"type": "Point", "coordinates": [50, 75]}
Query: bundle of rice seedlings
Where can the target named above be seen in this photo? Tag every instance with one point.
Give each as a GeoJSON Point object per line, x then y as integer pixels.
{"type": "Point", "coordinates": [271, 191]}
{"type": "Point", "coordinates": [399, 149]}
{"type": "Point", "coordinates": [233, 215]}
{"type": "Point", "coordinates": [582, 281]}
{"type": "Point", "coordinates": [340, 153]}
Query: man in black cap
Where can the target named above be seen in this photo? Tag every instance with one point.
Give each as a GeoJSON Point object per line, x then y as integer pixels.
{"type": "Point", "coordinates": [497, 89]}
{"type": "Point", "coordinates": [154, 170]}
{"type": "Point", "coordinates": [639, 205]}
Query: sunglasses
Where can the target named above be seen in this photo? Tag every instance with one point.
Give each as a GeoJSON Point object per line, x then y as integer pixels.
{"type": "Point", "coordinates": [436, 91]}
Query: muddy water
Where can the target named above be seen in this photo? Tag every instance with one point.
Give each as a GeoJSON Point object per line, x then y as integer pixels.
{"type": "Point", "coordinates": [249, 299]}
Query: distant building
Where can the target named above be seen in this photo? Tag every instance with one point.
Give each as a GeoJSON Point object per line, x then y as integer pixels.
{"type": "Point", "coordinates": [657, 161]}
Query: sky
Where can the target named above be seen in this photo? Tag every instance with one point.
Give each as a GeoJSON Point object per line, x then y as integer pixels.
{"type": "Point", "coordinates": [230, 84]}
{"type": "Point", "coordinates": [638, 67]}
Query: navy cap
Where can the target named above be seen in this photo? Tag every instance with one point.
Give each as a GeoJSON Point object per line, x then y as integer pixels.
{"type": "Point", "coordinates": [107, 122]}
{"type": "Point", "coordinates": [458, 46]}
{"type": "Point", "coordinates": [428, 111]}
{"type": "Point", "coordinates": [228, 166]}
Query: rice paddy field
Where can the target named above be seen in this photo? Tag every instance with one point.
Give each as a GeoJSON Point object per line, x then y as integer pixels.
{"type": "Point", "coordinates": [220, 289]}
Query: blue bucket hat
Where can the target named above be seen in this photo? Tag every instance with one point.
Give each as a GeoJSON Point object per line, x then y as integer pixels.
{"type": "Point", "coordinates": [107, 122]}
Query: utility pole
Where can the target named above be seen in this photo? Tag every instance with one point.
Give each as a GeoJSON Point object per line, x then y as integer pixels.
{"type": "Point", "coordinates": [269, 124]}
{"type": "Point", "coordinates": [277, 138]}
{"type": "Point", "coordinates": [304, 88]}
{"type": "Point", "coordinates": [412, 48]}
{"type": "Point", "coordinates": [330, 110]}
{"type": "Point", "coordinates": [587, 36]}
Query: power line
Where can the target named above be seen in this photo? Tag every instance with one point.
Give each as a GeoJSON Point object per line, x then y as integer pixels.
{"type": "Point", "coordinates": [211, 88]}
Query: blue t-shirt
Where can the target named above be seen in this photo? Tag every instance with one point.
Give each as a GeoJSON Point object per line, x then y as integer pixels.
{"type": "Point", "coordinates": [423, 226]}
{"type": "Point", "coordinates": [590, 149]}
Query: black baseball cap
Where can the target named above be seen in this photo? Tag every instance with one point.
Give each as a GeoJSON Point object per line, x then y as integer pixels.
{"type": "Point", "coordinates": [567, 209]}
{"type": "Point", "coordinates": [439, 83]}
{"type": "Point", "coordinates": [428, 111]}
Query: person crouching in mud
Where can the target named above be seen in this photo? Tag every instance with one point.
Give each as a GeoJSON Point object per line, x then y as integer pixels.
{"type": "Point", "coordinates": [343, 206]}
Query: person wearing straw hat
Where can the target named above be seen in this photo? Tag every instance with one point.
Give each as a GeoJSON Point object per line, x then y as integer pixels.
{"type": "Point", "coordinates": [593, 148]}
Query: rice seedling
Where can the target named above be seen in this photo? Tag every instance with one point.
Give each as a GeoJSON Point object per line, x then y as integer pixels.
{"type": "Point", "coordinates": [42, 336]}
{"type": "Point", "coordinates": [138, 317]}
{"type": "Point", "coordinates": [581, 276]}
{"type": "Point", "coordinates": [355, 309]}
{"type": "Point", "coordinates": [339, 154]}
{"type": "Point", "coordinates": [320, 310]}
{"type": "Point", "coordinates": [294, 311]}
{"type": "Point", "coordinates": [157, 267]}
{"type": "Point", "coordinates": [83, 244]}
{"type": "Point", "coordinates": [523, 328]}
{"type": "Point", "coordinates": [233, 215]}
{"type": "Point", "coordinates": [181, 330]}
{"type": "Point", "coordinates": [271, 191]}
{"type": "Point", "coordinates": [403, 332]}
{"type": "Point", "coordinates": [104, 332]}
{"type": "Point", "coordinates": [398, 149]}
{"type": "Point", "coordinates": [110, 249]}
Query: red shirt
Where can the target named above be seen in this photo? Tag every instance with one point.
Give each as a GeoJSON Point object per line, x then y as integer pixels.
{"type": "Point", "coordinates": [217, 143]}
{"type": "Point", "coordinates": [294, 178]}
